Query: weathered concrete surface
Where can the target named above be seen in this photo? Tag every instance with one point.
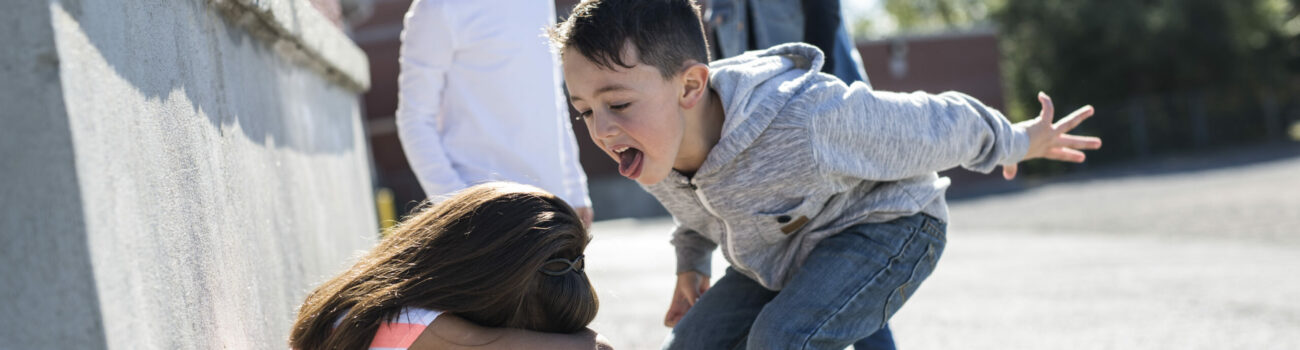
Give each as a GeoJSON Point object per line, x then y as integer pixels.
{"type": "Point", "coordinates": [1145, 257]}
{"type": "Point", "coordinates": [171, 179]}
{"type": "Point", "coordinates": [45, 274]}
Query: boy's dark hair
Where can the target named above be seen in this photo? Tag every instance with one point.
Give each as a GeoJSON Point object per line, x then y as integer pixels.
{"type": "Point", "coordinates": [666, 33]}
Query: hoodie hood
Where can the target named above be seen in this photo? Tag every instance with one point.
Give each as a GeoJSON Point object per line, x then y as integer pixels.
{"type": "Point", "coordinates": [753, 87]}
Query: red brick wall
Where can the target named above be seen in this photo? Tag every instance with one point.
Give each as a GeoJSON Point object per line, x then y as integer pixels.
{"type": "Point", "coordinates": [965, 62]}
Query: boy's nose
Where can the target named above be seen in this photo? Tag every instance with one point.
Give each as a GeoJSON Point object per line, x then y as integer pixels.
{"type": "Point", "coordinates": [603, 127]}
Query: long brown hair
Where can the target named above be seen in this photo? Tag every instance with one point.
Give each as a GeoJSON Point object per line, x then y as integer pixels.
{"type": "Point", "coordinates": [477, 255]}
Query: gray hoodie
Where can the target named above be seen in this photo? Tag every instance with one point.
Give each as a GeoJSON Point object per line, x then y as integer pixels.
{"type": "Point", "coordinates": [803, 156]}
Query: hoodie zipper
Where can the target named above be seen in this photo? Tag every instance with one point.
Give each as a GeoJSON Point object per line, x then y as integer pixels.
{"type": "Point", "coordinates": [726, 229]}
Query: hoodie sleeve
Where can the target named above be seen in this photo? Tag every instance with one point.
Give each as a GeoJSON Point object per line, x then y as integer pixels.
{"type": "Point", "coordinates": [887, 136]}
{"type": "Point", "coordinates": [694, 252]}
{"type": "Point", "coordinates": [574, 177]}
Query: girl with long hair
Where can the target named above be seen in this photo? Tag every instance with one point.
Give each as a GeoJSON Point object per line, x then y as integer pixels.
{"type": "Point", "coordinates": [498, 265]}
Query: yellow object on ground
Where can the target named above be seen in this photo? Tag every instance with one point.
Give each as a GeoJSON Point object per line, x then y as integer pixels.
{"type": "Point", "coordinates": [387, 212]}
{"type": "Point", "coordinates": [1294, 131]}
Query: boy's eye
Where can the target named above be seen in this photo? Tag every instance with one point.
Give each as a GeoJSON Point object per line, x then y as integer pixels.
{"type": "Point", "coordinates": [583, 115]}
{"type": "Point", "coordinates": [620, 107]}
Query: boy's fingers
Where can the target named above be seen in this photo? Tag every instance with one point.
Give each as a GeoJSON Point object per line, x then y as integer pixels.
{"type": "Point", "coordinates": [668, 316]}
{"type": "Point", "coordinates": [1048, 108]}
{"type": "Point", "coordinates": [1070, 122]}
{"type": "Point", "coordinates": [1066, 155]}
{"type": "Point", "coordinates": [675, 312]}
{"type": "Point", "coordinates": [1009, 171]}
{"type": "Point", "coordinates": [671, 318]}
{"type": "Point", "coordinates": [1079, 142]}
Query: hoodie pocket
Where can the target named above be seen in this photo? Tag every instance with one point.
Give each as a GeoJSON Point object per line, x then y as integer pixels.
{"type": "Point", "coordinates": [781, 224]}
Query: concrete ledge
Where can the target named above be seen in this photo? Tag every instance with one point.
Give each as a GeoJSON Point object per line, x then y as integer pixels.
{"type": "Point", "coordinates": [298, 30]}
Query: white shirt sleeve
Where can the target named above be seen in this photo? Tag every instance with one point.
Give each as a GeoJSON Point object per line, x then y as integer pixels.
{"type": "Point", "coordinates": [574, 177]}
{"type": "Point", "coordinates": [428, 46]}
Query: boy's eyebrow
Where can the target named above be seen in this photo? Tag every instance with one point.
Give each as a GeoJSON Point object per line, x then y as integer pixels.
{"type": "Point", "coordinates": [601, 90]}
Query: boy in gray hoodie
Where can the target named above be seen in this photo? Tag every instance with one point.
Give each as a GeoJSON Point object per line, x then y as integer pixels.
{"type": "Point", "coordinates": [824, 197]}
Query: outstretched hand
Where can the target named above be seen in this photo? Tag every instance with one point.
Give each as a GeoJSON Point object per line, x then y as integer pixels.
{"type": "Point", "coordinates": [1048, 140]}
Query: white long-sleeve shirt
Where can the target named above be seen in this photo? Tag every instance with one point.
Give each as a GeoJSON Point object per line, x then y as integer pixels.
{"type": "Point", "coordinates": [479, 98]}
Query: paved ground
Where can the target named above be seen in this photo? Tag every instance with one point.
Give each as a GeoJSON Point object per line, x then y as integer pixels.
{"type": "Point", "coordinates": [1182, 254]}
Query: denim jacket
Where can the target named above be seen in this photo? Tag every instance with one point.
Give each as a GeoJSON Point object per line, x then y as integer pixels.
{"type": "Point", "coordinates": [775, 22]}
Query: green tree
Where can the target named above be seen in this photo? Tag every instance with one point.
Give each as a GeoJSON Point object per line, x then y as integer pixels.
{"type": "Point", "coordinates": [1115, 48]}
{"type": "Point", "coordinates": [1164, 74]}
{"type": "Point", "coordinates": [1186, 66]}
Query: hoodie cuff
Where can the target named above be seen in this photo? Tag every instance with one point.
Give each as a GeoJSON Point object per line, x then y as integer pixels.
{"type": "Point", "coordinates": [690, 259]}
{"type": "Point", "coordinates": [1018, 148]}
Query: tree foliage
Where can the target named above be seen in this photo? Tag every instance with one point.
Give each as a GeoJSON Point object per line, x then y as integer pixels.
{"type": "Point", "coordinates": [932, 15]}
{"type": "Point", "coordinates": [1112, 49]}
{"type": "Point", "coordinates": [1164, 74]}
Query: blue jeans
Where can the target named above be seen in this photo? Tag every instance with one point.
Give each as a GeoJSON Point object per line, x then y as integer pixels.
{"type": "Point", "coordinates": [844, 294]}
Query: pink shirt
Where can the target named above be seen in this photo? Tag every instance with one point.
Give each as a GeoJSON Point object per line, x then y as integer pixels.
{"type": "Point", "coordinates": [400, 333]}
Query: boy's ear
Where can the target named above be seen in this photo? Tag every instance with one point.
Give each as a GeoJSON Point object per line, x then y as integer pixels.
{"type": "Point", "coordinates": [695, 81]}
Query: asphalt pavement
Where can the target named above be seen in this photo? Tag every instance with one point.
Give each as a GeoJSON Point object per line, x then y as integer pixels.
{"type": "Point", "coordinates": [1176, 254]}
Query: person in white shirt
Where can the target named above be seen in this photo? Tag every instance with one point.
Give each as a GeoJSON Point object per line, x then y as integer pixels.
{"type": "Point", "coordinates": [480, 99]}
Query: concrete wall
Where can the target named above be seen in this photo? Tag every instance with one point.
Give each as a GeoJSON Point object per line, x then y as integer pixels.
{"type": "Point", "coordinates": [176, 174]}
{"type": "Point", "coordinates": [47, 287]}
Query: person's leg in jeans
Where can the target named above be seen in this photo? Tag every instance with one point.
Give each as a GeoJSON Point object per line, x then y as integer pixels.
{"type": "Point", "coordinates": [882, 339]}
{"type": "Point", "coordinates": [850, 285]}
{"type": "Point", "coordinates": [722, 316]}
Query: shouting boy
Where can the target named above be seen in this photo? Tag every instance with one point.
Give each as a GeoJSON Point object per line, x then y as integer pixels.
{"type": "Point", "coordinates": [824, 197]}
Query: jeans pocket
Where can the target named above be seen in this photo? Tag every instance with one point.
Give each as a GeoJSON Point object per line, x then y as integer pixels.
{"type": "Point", "coordinates": [935, 228]}
{"type": "Point", "coordinates": [921, 269]}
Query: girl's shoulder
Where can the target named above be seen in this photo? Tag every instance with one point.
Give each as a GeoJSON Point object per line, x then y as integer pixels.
{"type": "Point", "coordinates": [417, 315]}
{"type": "Point", "coordinates": [403, 330]}
{"type": "Point", "coordinates": [452, 332]}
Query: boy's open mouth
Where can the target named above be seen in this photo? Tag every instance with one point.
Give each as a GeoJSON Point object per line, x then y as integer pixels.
{"type": "Point", "coordinates": [629, 162]}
